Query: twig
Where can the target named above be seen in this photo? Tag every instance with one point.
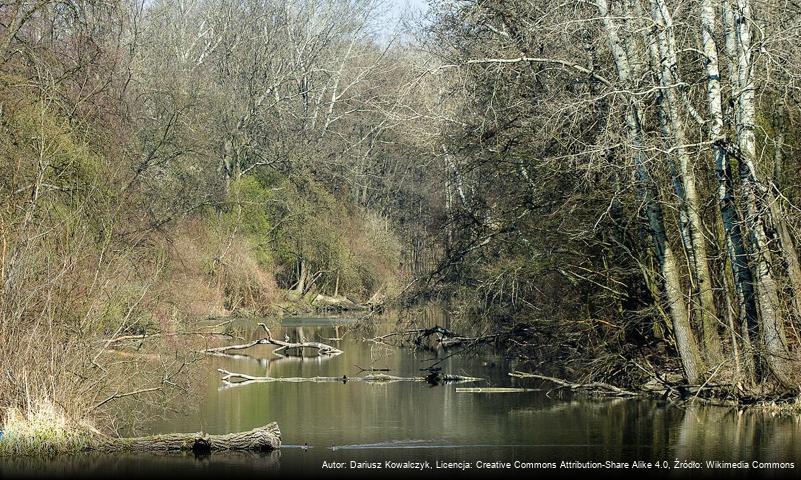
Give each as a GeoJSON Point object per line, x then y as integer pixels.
{"type": "Point", "coordinates": [122, 395]}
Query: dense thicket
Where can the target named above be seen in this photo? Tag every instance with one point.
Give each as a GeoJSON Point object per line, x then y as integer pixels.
{"type": "Point", "coordinates": [621, 175]}
{"type": "Point", "coordinates": [166, 161]}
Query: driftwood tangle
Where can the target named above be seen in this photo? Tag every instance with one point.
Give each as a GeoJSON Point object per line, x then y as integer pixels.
{"type": "Point", "coordinates": [322, 348]}
{"type": "Point", "coordinates": [259, 439]}
{"type": "Point", "coordinates": [591, 386]}
{"type": "Point", "coordinates": [232, 378]}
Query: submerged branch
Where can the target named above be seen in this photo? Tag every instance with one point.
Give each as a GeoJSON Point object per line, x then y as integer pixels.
{"type": "Point", "coordinates": [577, 386]}
{"type": "Point", "coordinates": [497, 390]}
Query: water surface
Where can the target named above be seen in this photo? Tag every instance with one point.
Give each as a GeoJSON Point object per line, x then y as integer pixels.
{"type": "Point", "coordinates": [370, 424]}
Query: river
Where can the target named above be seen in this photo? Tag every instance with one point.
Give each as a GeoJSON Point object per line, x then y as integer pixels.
{"type": "Point", "coordinates": [355, 427]}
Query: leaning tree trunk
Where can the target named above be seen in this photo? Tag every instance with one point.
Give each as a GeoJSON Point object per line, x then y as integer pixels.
{"type": "Point", "coordinates": [685, 339]}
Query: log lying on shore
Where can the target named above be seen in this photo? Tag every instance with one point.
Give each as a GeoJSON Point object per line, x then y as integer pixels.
{"type": "Point", "coordinates": [260, 439]}
{"type": "Point", "coordinates": [338, 303]}
{"type": "Point", "coordinates": [236, 379]}
{"type": "Point", "coordinates": [322, 348]}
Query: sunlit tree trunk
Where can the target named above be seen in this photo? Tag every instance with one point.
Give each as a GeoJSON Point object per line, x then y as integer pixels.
{"type": "Point", "coordinates": [690, 199]}
{"type": "Point", "coordinates": [738, 261]}
{"type": "Point", "coordinates": [685, 339]}
{"type": "Point", "coordinates": [774, 340]}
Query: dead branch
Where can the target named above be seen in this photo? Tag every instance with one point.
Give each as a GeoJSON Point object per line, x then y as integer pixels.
{"type": "Point", "coordinates": [577, 386]}
{"type": "Point", "coordinates": [443, 337]}
{"type": "Point", "coordinates": [238, 379]}
{"type": "Point", "coordinates": [123, 395]}
{"type": "Point", "coordinates": [497, 390]}
{"type": "Point", "coordinates": [143, 336]}
{"type": "Point", "coordinates": [322, 348]}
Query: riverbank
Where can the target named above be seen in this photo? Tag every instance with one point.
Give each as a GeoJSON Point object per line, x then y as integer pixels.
{"type": "Point", "coordinates": [43, 432]}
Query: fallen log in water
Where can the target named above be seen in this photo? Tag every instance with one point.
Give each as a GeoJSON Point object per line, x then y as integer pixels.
{"type": "Point", "coordinates": [322, 348]}
{"type": "Point", "coordinates": [260, 439]}
{"type": "Point", "coordinates": [236, 379]}
{"type": "Point", "coordinates": [497, 390]}
{"type": "Point", "coordinates": [592, 386]}
{"type": "Point", "coordinates": [371, 369]}
{"type": "Point", "coordinates": [434, 336]}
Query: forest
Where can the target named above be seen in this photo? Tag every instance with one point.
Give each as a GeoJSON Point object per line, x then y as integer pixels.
{"type": "Point", "coordinates": [610, 188]}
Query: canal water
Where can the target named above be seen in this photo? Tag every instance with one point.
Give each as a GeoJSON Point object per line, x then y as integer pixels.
{"type": "Point", "coordinates": [346, 429]}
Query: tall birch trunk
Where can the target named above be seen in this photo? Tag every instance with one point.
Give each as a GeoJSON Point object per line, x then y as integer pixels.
{"type": "Point", "coordinates": [738, 261]}
{"type": "Point", "coordinates": [690, 199]}
{"type": "Point", "coordinates": [685, 339]}
{"type": "Point", "coordinates": [772, 324]}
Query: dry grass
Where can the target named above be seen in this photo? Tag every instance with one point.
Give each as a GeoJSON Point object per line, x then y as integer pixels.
{"type": "Point", "coordinates": [42, 429]}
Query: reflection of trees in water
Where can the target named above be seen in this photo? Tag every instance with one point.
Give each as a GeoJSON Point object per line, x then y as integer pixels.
{"type": "Point", "coordinates": [733, 434]}
{"type": "Point", "coordinates": [268, 363]}
{"type": "Point", "coordinates": [560, 423]}
{"type": "Point", "coordinates": [652, 430]}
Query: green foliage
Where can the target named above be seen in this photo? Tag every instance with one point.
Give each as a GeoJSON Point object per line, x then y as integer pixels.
{"type": "Point", "coordinates": [289, 219]}
{"type": "Point", "coordinates": [39, 140]}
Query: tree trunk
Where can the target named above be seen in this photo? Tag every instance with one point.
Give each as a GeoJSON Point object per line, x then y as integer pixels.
{"type": "Point", "coordinates": [685, 339]}
{"type": "Point", "coordinates": [260, 439]}
{"type": "Point", "coordinates": [771, 323]}
{"type": "Point", "coordinates": [336, 285]}
{"type": "Point", "coordinates": [690, 199]}
{"type": "Point", "coordinates": [738, 261]}
{"type": "Point", "coordinates": [300, 287]}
